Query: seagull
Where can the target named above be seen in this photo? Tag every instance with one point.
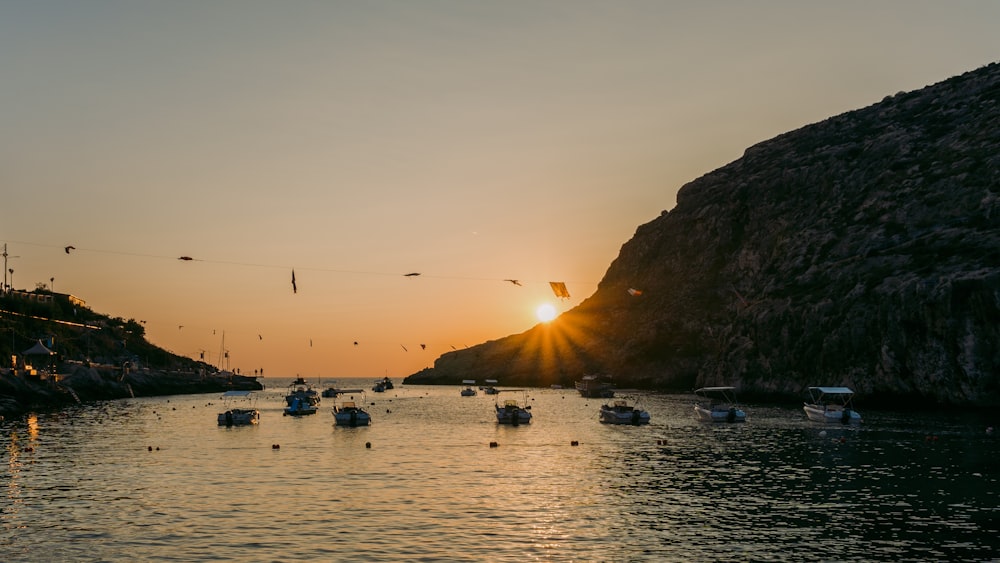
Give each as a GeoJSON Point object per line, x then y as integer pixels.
{"type": "Point", "coordinates": [68, 248]}
{"type": "Point", "coordinates": [423, 346]}
{"type": "Point", "coordinates": [180, 327]}
{"type": "Point", "coordinates": [295, 288]}
{"type": "Point", "coordinates": [411, 274]}
{"type": "Point", "coordinates": [186, 258]}
{"type": "Point", "coordinates": [515, 282]}
{"type": "Point", "coordinates": [404, 348]}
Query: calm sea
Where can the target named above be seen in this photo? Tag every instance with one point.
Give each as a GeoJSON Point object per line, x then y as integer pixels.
{"type": "Point", "coordinates": [157, 479]}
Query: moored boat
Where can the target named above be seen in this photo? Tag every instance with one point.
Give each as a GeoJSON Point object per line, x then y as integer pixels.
{"type": "Point", "coordinates": [491, 387]}
{"type": "Point", "coordinates": [831, 404]}
{"type": "Point", "coordinates": [513, 412]}
{"type": "Point", "coordinates": [468, 391]}
{"type": "Point", "coordinates": [595, 386]}
{"type": "Point", "coordinates": [620, 412]}
{"type": "Point", "coordinates": [240, 408]}
{"type": "Point", "coordinates": [301, 398]}
{"type": "Point", "coordinates": [718, 404]}
{"type": "Point", "coordinates": [303, 390]}
{"type": "Point", "coordinates": [349, 413]}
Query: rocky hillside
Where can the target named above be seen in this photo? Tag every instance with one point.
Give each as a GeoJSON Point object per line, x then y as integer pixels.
{"type": "Point", "coordinates": [863, 250]}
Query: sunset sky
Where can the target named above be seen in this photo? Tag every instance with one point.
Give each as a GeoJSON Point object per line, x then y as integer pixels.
{"type": "Point", "coordinates": [358, 141]}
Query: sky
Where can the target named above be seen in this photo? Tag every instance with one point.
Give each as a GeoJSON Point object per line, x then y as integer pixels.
{"type": "Point", "coordinates": [355, 142]}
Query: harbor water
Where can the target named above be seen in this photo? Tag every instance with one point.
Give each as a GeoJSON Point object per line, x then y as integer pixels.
{"type": "Point", "coordinates": [157, 479]}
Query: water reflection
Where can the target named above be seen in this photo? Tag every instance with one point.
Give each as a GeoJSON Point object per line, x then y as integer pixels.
{"type": "Point", "coordinates": [157, 478]}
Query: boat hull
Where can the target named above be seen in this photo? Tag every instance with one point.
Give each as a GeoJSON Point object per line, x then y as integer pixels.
{"type": "Point", "coordinates": [634, 418]}
{"type": "Point", "coordinates": [727, 414]}
{"type": "Point", "coordinates": [352, 418]}
{"type": "Point", "coordinates": [239, 417]}
{"type": "Point", "coordinates": [831, 414]}
{"type": "Point", "coordinates": [513, 417]}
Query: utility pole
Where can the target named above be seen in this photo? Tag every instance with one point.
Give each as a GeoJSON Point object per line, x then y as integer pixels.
{"type": "Point", "coordinates": [6, 287]}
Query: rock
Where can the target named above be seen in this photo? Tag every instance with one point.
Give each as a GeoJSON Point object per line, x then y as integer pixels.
{"type": "Point", "coordinates": [863, 250]}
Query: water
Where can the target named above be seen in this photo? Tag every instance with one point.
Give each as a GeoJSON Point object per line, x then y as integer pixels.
{"type": "Point", "coordinates": [157, 479]}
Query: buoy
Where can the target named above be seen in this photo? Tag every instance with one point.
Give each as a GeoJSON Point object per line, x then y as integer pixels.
{"type": "Point", "coordinates": [822, 433]}
{"type": "Point", "coordinates": [493, 444]}
{"type": "Point", "coordinates": [275, 446]}
{"type": "Point", "coordinates": [574, 443]}
{"type": "Point", "coordinates": [150, 448]}
{"type": "Point", "coordinates": [368, 445]}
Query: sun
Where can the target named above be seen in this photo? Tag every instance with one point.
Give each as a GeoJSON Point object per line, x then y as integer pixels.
{"type": "Point", "coordinates": [545, 312]}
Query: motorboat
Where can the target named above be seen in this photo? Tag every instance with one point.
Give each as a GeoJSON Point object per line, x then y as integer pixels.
{"type": "Point", "coordinates": [718, 404]}
{"type": "Point", "coordinates": [303, 391]}
{"type": "Point", "coordinates": [469, 391]}
{"type": "Point", "coordinates": [241, 409]}
{"type": "Point", "coordinates": [300, 407]}
{"type": "Point", "coordinates": [831, 404]}
{"type": "Point", "coordinates": [620, 412]}
{"type": "Point", "coordinates": [490, 388]}
{"type": "Point", "coordinates": [513, 412]}
{"type": "Point", "coordinates": [348, 413]}
{"type": "Point", "coordinates": [595, 386]}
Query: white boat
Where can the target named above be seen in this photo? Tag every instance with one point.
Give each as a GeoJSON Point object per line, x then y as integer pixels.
{"type": "Point", "coordinates": [831, 404]}
{"type": "Point", "coordinates": [620, 412]}
{"type": "Point", "coordinates": [513, 412]}
{"type": "Point", "coordinates": [491, 387]}
{"type": "Point", "coordinates": [348, 413]}
{"type": "Point", "coordinates": [241, 409]}
{"type": "Point", "coordinates": [718, 404]}
{"type": "Point", "coordinates": [468, 391]}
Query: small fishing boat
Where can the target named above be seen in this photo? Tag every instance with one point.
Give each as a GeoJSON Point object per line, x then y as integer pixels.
{"type": "Point", "coordinates": [595, 386]}
{"type": "Point", "coordinates": [718, 404]}
{"type": "Point", "coordinates": [513, 412]}
{"type": "Point", "coordinates": [302, 390]}
{"type": "Point", "coordinates": [831, 404]}
{"type": "Point", "coordinates": [620, 412]}
{"type": "Point", "coordinates": [348, 413]}
{"type": "Point", "coordinates": [468, 391]}
{"type": "Point", "coordinates": [240, 408]}
{"type": "Point", "coordinates": [491, 387]}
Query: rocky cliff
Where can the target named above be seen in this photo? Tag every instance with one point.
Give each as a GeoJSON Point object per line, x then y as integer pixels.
{"type": "Point", "coordinates": [863, 250]}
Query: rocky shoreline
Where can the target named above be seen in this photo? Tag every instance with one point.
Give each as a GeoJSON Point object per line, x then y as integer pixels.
{"type": "Point", "coordinates": [22, 393]}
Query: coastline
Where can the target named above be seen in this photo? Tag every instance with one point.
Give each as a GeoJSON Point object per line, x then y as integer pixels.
{"type": "Point", "coordinates": [22, 392]}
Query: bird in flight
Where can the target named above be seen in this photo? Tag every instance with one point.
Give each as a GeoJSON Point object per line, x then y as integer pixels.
{"type": "Point", "coordinates": [411, 274]}
{"type": "Point", "coordinates": [515, 282]}
{"type": "Point", "coordinates": [295, 288]}
{"type": "Point", "coordinates": [186, 258]}
{"type": "Point", "coordinates": [68, 248]}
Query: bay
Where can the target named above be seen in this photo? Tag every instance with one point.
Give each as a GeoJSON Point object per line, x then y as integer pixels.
{"type": "Point", "coordinates": [156, 479]}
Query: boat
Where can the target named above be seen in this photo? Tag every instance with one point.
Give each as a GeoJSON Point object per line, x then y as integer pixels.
{"type": "Point", "coordinates": [387, 383]}
{"type": "Point", "coordinates": [240, 408]}
{"type": "Point", "coordinates": [301, 389]}
{"type": "Point", "coordinates": [330, 392]}
{"type": "Point", "coordinates": [491, 387]}
{"type": "Point", "coordinates": [301, 399]}
{"type": "Point", "coordinates": [718, 404]}
{"type": "Point", "coordinates": [620, 412]}
{"type": "Point", "coordinates": [831, 404]}
{"type": "Point", "coordinates": [513, 412]}
{"type": "Point", "coordinates": [348, 413]}
{"type": "Point", "coordinates": [594, 386]}
{"type": "Point", "coordinates": [468, 391]}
